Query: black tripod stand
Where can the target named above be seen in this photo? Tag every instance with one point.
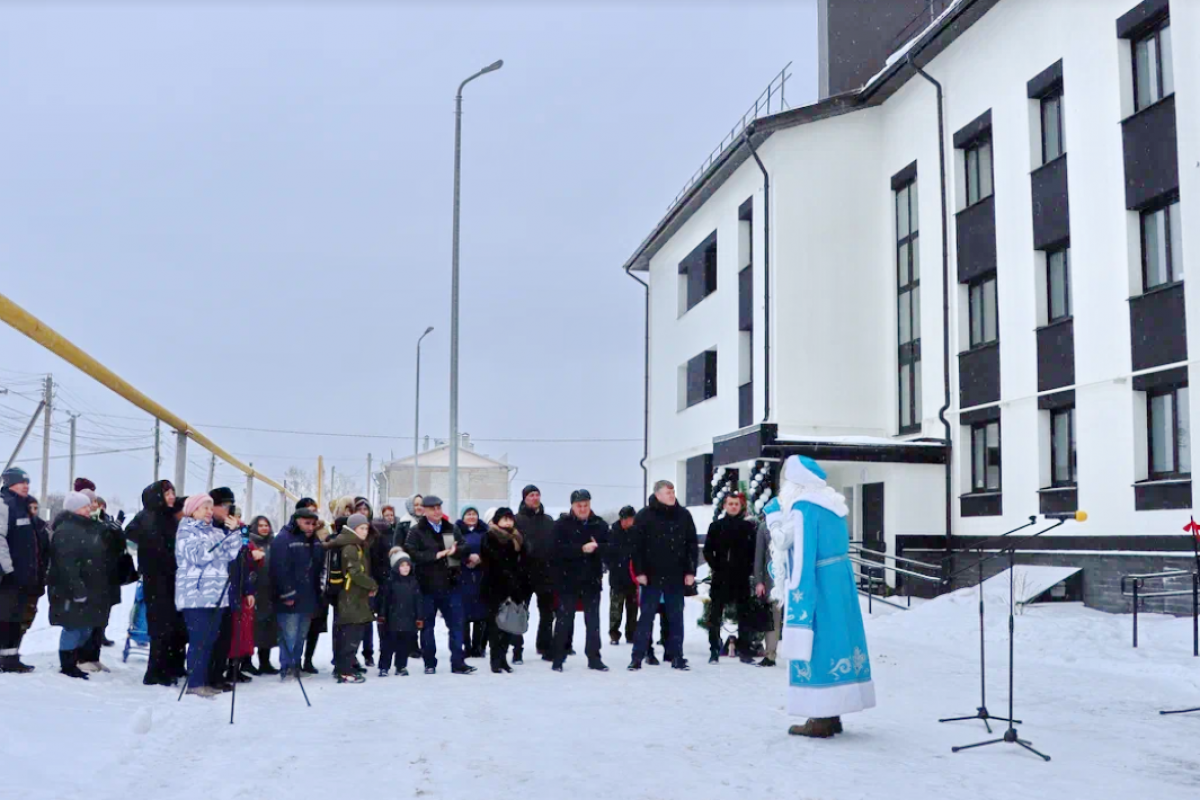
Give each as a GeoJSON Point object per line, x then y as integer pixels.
{"type": "Point", "coordinates": [982, 712]}
{"type": "Point", "coordinates": [1010, 735]}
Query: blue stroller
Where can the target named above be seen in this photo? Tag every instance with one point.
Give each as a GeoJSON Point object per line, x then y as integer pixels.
{"type": "Point", "coordinates": [138, 637]}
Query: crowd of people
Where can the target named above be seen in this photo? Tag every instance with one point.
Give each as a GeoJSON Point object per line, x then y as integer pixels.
{"type": "Point", "coordinates": [217, 589]}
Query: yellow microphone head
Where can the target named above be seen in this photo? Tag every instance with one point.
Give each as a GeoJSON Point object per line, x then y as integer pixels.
{"type": "Point", "coordinates": [1081, 516]}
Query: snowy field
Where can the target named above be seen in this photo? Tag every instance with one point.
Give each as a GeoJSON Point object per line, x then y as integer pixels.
{"type": "Point", "coordinates": [1088, 699]}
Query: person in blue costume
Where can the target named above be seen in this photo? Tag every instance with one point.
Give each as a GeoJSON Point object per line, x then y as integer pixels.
{"type": "Point", "coordinates": [829, 669]}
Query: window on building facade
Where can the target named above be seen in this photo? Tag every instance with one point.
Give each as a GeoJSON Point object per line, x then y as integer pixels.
{"type": "Point", "coordinates": [1153, 75]}
{"type": "Point", "coordinates": [1162, 246]}
{"type": "Point", "coordinates": [1062, 447]}
{"type": "Point", "coordinates": [698, 274]}
{"type": "Point", "coordinates": [979, 170]}
{"type": "Point", "coordinates": [908, 301]}
{"type": "Point", "coordinates": [1053, 142]}
{"type": "Point", "coordinates": [1169, 433]}
{"type": "Point", "coordinates": [698, 379]}
{"type": "Point", "coordinates": [985, 456]}
{"type": "Point", "coordinates": [1058, 284]}
{"type": "Point", "coordinates": [983, 312]}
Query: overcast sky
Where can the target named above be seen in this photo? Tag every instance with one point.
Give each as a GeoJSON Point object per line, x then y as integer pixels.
{"type": "Point", "coordinates": [244, 210]}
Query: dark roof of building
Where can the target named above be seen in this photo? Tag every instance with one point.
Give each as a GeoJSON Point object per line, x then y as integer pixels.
{"type": "Point", "coordinates": [923, 49]}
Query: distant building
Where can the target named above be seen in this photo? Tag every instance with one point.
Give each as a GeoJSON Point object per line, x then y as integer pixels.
{"type": "Point", "coordinates": [483, 482]}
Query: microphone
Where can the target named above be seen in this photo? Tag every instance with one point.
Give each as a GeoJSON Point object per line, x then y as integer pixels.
{"type": "Point", "coordinates": [1078, 516]}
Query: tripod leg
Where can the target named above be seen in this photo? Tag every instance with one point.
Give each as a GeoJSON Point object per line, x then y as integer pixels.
{"type": "Point", "coordinates": [1181, 711]}
{"type": "Point", "coordinates": [1027, 746]}
{"type": "Point", "coordinates": [296, 660]}
{"type": "Point", "coordinates": [207, 636]}
{"type": "Point", "coordinates": [237, 674]}
{"type": "Point", "coordinates": [977, 744]}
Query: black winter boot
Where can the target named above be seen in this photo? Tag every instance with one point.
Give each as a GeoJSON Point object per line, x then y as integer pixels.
{"type": "Point", "coordinates": [13, 664]}
{"type": "Point", "coordinates": [264, 662]}
{"type": "Point", "coordinates": [69, 664]}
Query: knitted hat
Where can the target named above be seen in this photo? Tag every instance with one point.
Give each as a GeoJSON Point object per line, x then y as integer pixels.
{"type": "Point", "coordinates": [76, 501]}
{"type": "Point", "coordinates": [581, 496]}
{"type": "Point", "coordinates": [356, 520]}
{"type": "Point", "coordinates": [628, 512]}
{"type": "Point", "coordinates": [530, 488]}
{"type": "Point", "coordinates": [195, 502]}
{"type": "Point", "coordinates": [468, 510]}
{"type": "Point", "coordinates": [305, 502]}
{"type": "Point", "coordinates": [84, 483]}
{"type": "Point", "coordinates": [14, 475]}
{"type": "Point", "coordinates": [396, 555]}
{"type": "Point", "coordinates": [222, 496]}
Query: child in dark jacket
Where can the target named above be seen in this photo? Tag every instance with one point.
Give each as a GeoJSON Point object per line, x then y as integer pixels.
{"type": "Point", "coordinates": [399, 610]}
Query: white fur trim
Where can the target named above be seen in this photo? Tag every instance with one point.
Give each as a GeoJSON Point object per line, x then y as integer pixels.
{"type": "Point", "coordinates": [797, 642]}
{"type": "Point", "coordinates": [830, 701]}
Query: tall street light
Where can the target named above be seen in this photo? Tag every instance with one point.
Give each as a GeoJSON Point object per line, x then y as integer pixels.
{"type": "Point", "coordinates": [454, 289]}
{"type": "Point", "coordinates": [417, 421]}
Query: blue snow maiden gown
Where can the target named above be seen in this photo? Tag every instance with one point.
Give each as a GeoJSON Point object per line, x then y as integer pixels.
{"type": "Point", "coordinates": [829, 669]}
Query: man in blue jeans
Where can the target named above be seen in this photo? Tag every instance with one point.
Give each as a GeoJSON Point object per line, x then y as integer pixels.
{"type": "Point", "coordinates": [296, 562]}
{"type": "Point", "coordinates": [665, 554]}
{"type": "Point", "coordinates": [434, 544]}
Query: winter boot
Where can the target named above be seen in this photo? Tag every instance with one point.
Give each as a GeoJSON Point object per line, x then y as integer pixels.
{"type": "Point", "coordinates": [68, 664]}
{"type": "Point", "coordinates": [597, 665]}
{"type": "Point", "coordinates": [13, 664]}
{"type": "Point", "coordinates": [403, 673]}
{"type": "Point", "coordinates": [369, 659]}
{"type": "Point", "coordinates": [634, 665]}
{"type": "Point", "coordinates": [309, 668]}
{"type": "Point", "coordinates": [714, 656]}
{"type": "Point", "coordinates": [248, 667]}
{"type": "Point", "coordinates": [264, 663]}
{"type": "Point", "coordinates": [517, 660]}
{"type": "Point", "coordinates": [235, 675]}
{"type": "Point", "coordinates": [837, 724]}
{"type": "Point", "coordinates": [204, 692]}
{"type": "Point", "coordinates": [465, 669]}
{"type": "Point", "coordinates": [680, 663]}
{"type": "Point", "coordinates": [767, 662]}
{"type": "Point", "coordinates": [352, 678]}
{"type": "Point", "coordinates": [651, 659]}
{"type": "Point", "coordinates": [383, 672]}
{"type": "Point", "coordinates": [815, 728]}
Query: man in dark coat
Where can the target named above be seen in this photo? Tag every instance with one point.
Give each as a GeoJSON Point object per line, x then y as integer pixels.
{"type": "Point", "coordinates": [296, 564]}
{"type": "Point", "coordinates": [537, 529]}
{"type": "Point", "coordinates": [153, 531]}
{"type": "Point", "coordinates": [623, 595]}
{"type": "Point", "coordinates": [729, 553]}
{"type": "Point", "coordinates": [20, 566]}
{"type": "Point", "coordinates": [580, 545]}
{"type": "Point", "coordinates": [434, 544]}
{"type": "Point", "coordinates": [664, 560]}
{"type": "Point", "coordinates": [78, 579]}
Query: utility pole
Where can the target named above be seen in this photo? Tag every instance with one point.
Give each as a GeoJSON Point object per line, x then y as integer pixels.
{"type": "Point", "coordinates": [49, 398]}
{"type": "Point", "coordinates": [320, 480]}
{"type": "Point", "coordinates": [28, 429]}
{"type": "Point", "coordinates": [71, 462]}
{"type": "Point", "coordinates": [180, 461]}
{"type": "Point", "coordinates": [212, 470]}
{"type": "Point", "coordinates": [367, 491]}
{"type": "Point", "coordinates": [249, 509]}
{"type": "Point", "coordinates": [332, 486]}
{"type": "Point", "coordinates": [157, 448]}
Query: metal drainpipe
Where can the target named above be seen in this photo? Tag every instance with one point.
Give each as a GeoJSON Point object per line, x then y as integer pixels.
{"type": "Point", "coordinates": [747, 134]}
{"type": "Point", "coordinates": [645, 391]}
{"type": "Point", "coordinates": [945, 306]}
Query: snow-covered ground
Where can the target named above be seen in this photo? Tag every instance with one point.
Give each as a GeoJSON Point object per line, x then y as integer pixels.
{"type": "Point", "coordinates": [1087, 698]}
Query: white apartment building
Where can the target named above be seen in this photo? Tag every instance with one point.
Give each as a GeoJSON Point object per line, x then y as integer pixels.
{"type": "Point", "coordinates": [1046, 272]}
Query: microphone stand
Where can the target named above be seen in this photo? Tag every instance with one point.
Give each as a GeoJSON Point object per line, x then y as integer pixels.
{"type": "Point", "coordinates": [1010, 735]}
{"type": "Point", "coordinates": [982, 712]}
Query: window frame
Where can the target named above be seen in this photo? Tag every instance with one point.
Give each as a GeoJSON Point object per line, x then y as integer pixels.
{"type": "Point", "coordinates": [981, 429]}
{"type": "Point", "coordinates": [974, 146]}
{"type": "Point", "coordinates": [1173, 274]}
{"type": "Point", "coordinates": [1068, 312]}
{"type": "Point", "coordinates": [1153, 33]}
{"type": "Point", "coordinates": [981, 281]}
{"type": "Point", "coordinates": [908, 352]}
{"type": "Point", "coordinates": [1054, 96]}
{"type": "Point", "coordinates": [1072, 462]}
{"type": "Point", "coordinates": [1175, 473]}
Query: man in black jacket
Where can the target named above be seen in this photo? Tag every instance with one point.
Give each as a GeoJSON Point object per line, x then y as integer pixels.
{"type": "Point", "coordinates": [20, 566]}
{"type": "Point", "coordinates": [433, 544]}
{"type": "Point", "coordinates": [664, 560]}
{"type": "Point", "coordinates": [623, 594]}
{"type": "Point", "coordinates": [537, 529]}
{"type": "Point", "coordinates": [580, 545]}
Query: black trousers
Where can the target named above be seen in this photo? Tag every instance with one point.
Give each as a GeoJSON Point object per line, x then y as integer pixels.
{"type": "Point", "coordinates": [395, 645]}
{"type": "Point", "coordinates": [348, 638]}
{"type": "Point", "coordinates": [310, 647]}
{"type": "Point", "coordinates": [716, 615]}
{"type": "Point", "coordinates": [564, 625]}
{"type": "Point", "coordinates": [476, 636]}
{"type": "Point", "coordinates": [545, 631]}
{"type": "Point", "coordinates": [168, 650]}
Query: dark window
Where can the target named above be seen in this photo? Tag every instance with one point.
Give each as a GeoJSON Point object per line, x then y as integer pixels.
{"type": "Point", "coordinates": [984, 324]}
{"type": "Point", "coordinates": [985, 457]}
{"type": "Point", "coordinates": [1062, 447]}
{"type": "Point", "coordinates": [698, 274]}
{"type": "Point", "coordinates": [700, 378]}
{"type": "Point", "coordinates": [908, 302]}
{"type": "Point", "coordinates": [1053, 143]}
{"type": "Point", "coordinates": [979, 170]}
{"type": "Point", "coordinates": [697, 484]}
{"type": "Point", "coordinates": [1058, 284]}
{"type": "Point", "coordinates": [1162, 246]}
{"type": "Point", "coordinates": [1169, 434]}
{"type": "Point", "coordinates": [1153, 76]}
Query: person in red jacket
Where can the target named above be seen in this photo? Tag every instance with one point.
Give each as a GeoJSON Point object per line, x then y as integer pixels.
{"type": "Point", "coordinates": [243, 582]}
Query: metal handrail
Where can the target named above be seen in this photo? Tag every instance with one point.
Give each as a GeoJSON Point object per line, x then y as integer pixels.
{"type": "Point", "coordinates": [897, 570]}
{"type": "Point", "coordinates": [1137, 581]}
{"type": "Point", "coordinates": [878, 554]}
{"type": "Point", "coordinates": [761, 108]}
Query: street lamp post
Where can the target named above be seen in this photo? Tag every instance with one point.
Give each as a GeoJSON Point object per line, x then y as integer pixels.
{"type": "Point", "coordinates": [417, 421]}
{"type": "Point", "coordinates": [454, 288]}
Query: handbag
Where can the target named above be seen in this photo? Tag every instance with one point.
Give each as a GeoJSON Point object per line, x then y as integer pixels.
{"type": "Point", "coordinates": [513, 617]}
{"type": "Point", "coordinates": [126, 570]}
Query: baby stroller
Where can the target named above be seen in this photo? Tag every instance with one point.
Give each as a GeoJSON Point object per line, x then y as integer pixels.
{"type": "Point", "coordinates": [138, 637]}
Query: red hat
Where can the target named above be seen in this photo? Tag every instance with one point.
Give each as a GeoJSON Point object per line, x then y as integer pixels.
{"type": "Point", "coordinates": [84, 483]}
